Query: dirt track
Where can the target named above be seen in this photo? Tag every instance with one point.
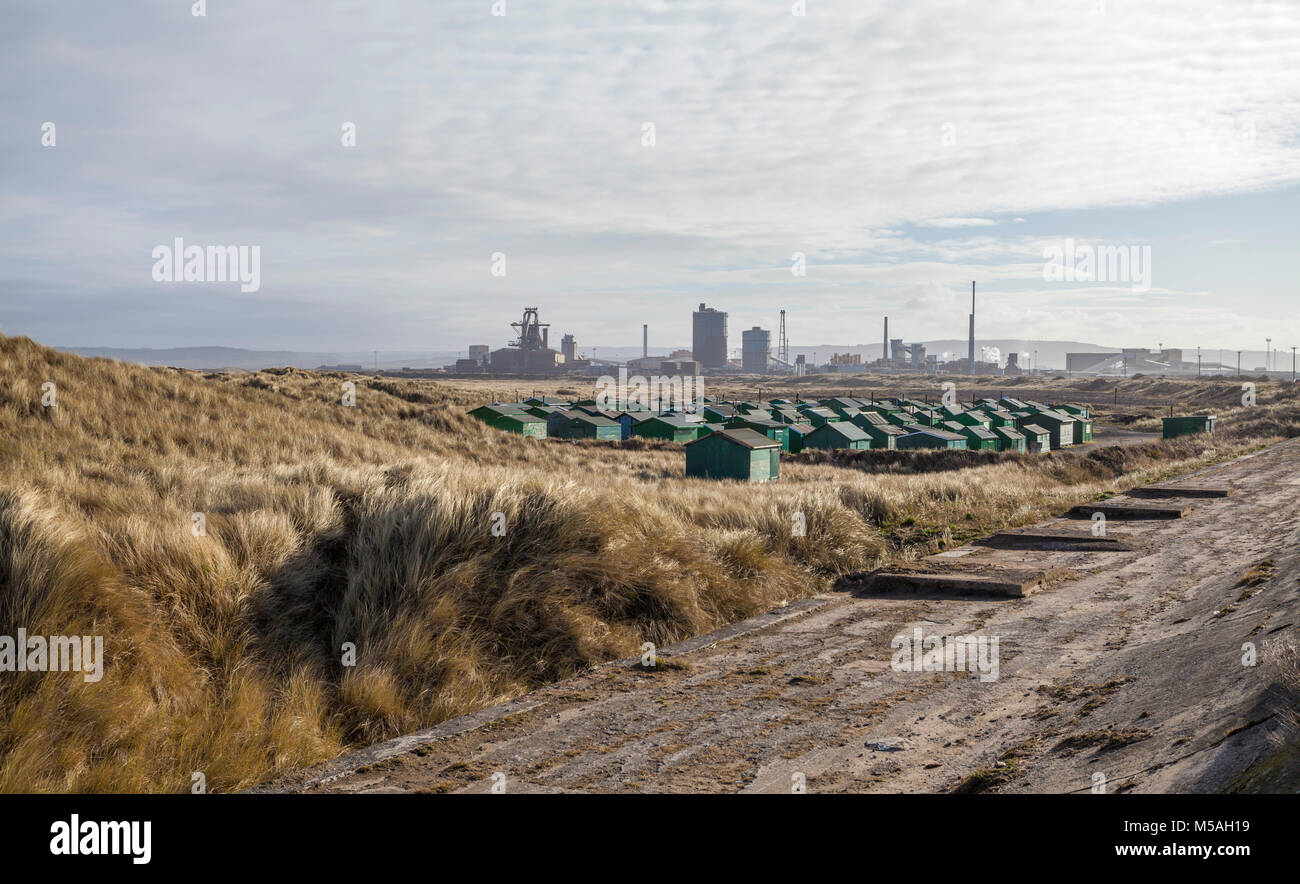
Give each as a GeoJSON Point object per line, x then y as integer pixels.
{"type": "Point", "coordinates": [1130, 666]}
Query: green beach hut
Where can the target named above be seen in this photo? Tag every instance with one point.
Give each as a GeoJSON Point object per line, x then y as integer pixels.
{"type": "Point", "coordinates": [741, 454]}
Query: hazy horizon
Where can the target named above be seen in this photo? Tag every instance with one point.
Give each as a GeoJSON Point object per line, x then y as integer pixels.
{"type": "Point", "coordinates": [1050, 354]}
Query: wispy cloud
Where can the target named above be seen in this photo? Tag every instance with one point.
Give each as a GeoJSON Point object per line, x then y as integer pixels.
{"type": "Point", "coordinates": [957, 222]}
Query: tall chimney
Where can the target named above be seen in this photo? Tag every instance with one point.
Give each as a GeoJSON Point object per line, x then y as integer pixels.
{"type": "Point", "coordinates": [972, 326]}
{"type": "Point", "coordinates": [544, 337]}
{"type": "Point", "coordinates": [645, 341]}
{"type": "Point", "coordinates": [884, 353]}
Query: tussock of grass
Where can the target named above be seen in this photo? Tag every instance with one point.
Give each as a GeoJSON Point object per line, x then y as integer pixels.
{"type": "Point", "coordinates": [1009, 766]}
{"type": "Point", "coordinates": [1261, 572]}
{"type": "Point", "coordinates": [370, 526]}
{"type": "Point", "coordinates": [1106, 740]}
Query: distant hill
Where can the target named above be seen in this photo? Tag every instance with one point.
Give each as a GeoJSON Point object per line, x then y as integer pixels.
{"type": "Point", "coordinates": [216, 358]}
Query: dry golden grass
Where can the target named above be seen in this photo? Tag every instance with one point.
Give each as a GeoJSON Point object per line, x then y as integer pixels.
{"type": "Point", "coordinates": [371, 525]}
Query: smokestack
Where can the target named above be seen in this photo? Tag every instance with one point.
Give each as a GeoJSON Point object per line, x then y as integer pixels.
{"type": "Point", "coordinates": [972, 326]}
{"type": "Point", "coordinates": [884, 354]}
{"type": "Point", "coordinates": [544, 337]}
{"type": "Point", "coordinates": [645, 341]}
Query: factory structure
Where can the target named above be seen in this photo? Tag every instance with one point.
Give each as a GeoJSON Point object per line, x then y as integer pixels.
{"type": "Point", "coordinates": [756, 350]}
{"type": "Point", "coordinates": [529, 353]}
{"type": "Point", "coordinates": [709, 346]}
{"type": "Point", "coordinates": [1139, 360]}
{"type": "Point", "coordinates": [709, 337]}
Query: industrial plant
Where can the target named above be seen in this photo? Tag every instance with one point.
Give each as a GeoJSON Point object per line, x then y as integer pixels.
{"type": "Point", "coordinates": [528, 353]}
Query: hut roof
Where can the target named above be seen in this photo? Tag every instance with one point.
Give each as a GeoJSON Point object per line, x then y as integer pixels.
{"type": "Point", "coordinates": [595, 420]}
{"type": "Point", "coordinates": [851, 432]}
{"type": "Point", "coordinates": [741, 436]}
{"type": "Point", "coordinates": [940, 434]}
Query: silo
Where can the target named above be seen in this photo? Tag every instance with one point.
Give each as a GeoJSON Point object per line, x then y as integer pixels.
{"type": "Point", "coordinates": [756, 347]}
{"type": "Point", "coordinates": [709, 337]}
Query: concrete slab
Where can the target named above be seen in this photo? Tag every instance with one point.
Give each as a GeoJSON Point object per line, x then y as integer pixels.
{"type": "Point", "coordinates": [1130, 509]}
{"type": "Point", "coordinates": [1181, 491]}
{"type": "Point", "coordinates": [943, 580]}
{"type": "Point", "coordinates": [1062, 540]}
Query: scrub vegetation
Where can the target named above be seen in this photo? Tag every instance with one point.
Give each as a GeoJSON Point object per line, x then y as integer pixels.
{"type": "Point", "coordinates": [327, 527]}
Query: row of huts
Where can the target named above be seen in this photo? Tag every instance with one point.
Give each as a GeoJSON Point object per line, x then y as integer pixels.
{"type": "Point", "coordinates": [748, 437]}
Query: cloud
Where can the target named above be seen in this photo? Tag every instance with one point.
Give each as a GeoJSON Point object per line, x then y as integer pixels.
{"type": "Point", "coordinates": [827, 134]}
{"type": "Point", "coordinates": [957, 222]}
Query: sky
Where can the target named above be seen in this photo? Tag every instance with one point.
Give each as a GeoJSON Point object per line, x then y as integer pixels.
{"type": "Point", "coordinates": [622, 162]}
